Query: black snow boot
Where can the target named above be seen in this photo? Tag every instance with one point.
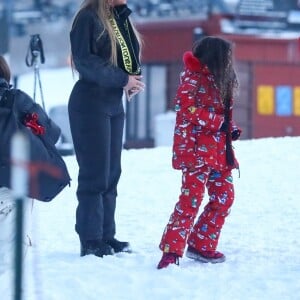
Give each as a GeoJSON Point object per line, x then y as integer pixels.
{"type": "Point", "coordinates": [95, 247]}
{"type": "Point", "coordinates": [119, 246]}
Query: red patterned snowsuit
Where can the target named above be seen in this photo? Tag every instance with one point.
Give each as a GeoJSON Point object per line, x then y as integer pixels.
{"type": "Point", "coordinates": [199, 151]}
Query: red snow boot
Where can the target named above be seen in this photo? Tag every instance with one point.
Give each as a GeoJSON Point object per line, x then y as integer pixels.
{"type": "Point", "coordinates": [167, 259]}
{"type": "Point", "coordinates": [205, 256]}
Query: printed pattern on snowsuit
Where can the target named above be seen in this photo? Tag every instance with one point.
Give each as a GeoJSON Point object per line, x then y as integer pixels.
{"type": "Point", "coordinates": [204, 235]}
{"type": "Point", "coordinates": [199, 150]}
{"type": "Point", "coordinates": [199, 116]}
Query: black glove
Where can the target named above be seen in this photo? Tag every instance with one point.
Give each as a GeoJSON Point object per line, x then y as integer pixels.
{"type": "Point", "coordinates": [224, 127]}
{"type": "Point", "coordinates": [235, 134]}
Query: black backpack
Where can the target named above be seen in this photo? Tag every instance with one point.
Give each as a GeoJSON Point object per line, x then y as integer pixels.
{"type": "Point", "coordinates": [48, 174]}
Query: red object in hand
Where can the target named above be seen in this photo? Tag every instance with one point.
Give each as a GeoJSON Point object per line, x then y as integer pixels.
{"type": "Point", "coordinates": [31, 122]}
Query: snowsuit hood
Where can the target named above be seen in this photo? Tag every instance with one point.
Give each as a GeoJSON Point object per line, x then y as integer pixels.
{"type": "Point", "coordinates": [193, 63]}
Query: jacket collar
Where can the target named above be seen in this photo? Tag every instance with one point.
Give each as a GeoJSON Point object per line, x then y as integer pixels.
{"type": "Point", "coordinates": [122, 12]}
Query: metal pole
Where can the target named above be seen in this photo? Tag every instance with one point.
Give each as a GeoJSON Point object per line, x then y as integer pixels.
{"type": "Point", "coordinates": [19, 180]}
{"type": "Point", "coordinates": [37, 74]}
{"type": "Point", "coordinates": [19, 249]}
{"type": "Point", "coordinates": [6, 29]}
{"type": "Point", "coordinates": [148, 104]}
{"type": "Point", "coordinates": [9, 6]}
{"type": "Point", "coordinates": [34, 84]}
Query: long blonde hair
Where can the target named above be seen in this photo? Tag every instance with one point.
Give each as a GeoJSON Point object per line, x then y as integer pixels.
{"type": "Point", "coordinates": [104, 11]}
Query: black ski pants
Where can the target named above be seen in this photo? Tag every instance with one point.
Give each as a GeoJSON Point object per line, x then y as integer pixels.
{"type": "Point", "coordinates": [97, 139]}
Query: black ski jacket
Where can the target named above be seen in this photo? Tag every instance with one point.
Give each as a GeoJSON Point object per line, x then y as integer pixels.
{"type": "Point", "coordinates": [46, 185]}
{"type": "Point", "coordinates": [100, 87]}
{"type": "Point", "coordinates": [24, 104]}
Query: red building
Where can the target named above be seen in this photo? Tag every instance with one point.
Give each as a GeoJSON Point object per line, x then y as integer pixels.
{"type": "Point", "coordinates": [268, 65]}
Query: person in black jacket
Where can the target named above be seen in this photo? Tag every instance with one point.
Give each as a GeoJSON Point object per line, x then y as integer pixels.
{"type": "Point", "coordinates": [105, 50]}
{"type": "Point", "coordinates": [42, 134]}
{"type": "Point", "coordinates": [24, 105]}
{"type": "Point", "coordinates": [18, 109]}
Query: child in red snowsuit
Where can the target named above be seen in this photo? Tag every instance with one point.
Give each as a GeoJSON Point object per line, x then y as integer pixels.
{"type": "Point", "coordinates": [202, 149]}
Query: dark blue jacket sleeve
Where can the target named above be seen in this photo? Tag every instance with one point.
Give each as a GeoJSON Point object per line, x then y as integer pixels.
{"type": "Point", "coordinates": [96, 68]}
{"type": "Point", "coordinates": [24, 104]}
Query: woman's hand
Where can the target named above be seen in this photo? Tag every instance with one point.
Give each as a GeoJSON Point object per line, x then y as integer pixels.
{"type": "Point", "coordinates": [134, 84]}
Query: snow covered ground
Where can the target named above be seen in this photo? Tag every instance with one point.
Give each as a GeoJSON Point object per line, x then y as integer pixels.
{"type": "Point", "coordinates": [261, 238]}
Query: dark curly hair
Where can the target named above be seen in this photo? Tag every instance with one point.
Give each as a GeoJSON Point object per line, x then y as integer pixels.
{"type": "Point", "coordinates": [216, 53]}
{"type": "Point", "coordinates": [4, 69]}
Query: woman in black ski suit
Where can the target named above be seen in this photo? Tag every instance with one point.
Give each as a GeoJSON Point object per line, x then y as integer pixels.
{"type": "Point", "coordinates": [105, 50]}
